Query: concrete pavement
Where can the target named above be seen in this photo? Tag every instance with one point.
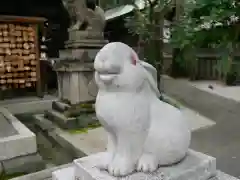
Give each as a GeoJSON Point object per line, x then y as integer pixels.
{"type": "Point", "coordinates": [221, 140]}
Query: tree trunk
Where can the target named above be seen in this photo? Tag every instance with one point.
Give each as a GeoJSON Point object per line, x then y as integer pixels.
{"type": "Point", "coordinates": [159, 44]}
{"type": "Point", "coordinates": [176, 51]}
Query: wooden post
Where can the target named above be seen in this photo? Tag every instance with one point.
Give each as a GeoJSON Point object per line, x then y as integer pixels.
{"type": "Point", "coordinates": [38, 83]}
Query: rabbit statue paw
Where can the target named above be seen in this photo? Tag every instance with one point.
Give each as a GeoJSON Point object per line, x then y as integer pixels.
{"type": "Point", "coordinates": [105, 161]}
{"type": "Point", "coordinates": [107, 157]}
{"type": "Point", "coordinates": [121, 166]}
{"type": "Point", "coordinates": [144, 132]}
{"type": "Point", "coordinates": [147, 163]}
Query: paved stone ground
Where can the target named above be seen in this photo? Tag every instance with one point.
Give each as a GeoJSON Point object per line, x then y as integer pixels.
{"type": "Point", "coordinates": [6, 128]}
{"type": "Point", "coordinates": [28, 104]}
{"type": "Point", "coordinates": [222, 140]}
{"type": "Point", "coordinates": [218, 88]}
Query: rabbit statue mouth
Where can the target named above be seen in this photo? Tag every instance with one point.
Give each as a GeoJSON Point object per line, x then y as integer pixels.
{"type": "Point", "coordinates": [107, 77]}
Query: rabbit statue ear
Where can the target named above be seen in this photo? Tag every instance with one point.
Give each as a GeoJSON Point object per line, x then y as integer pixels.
{"type": "Point", "coordinates": [151, 73]}
{"type": "Point", "coordinates": [134, 57]}
{"type": "Point", "coordinates": [149, 70]}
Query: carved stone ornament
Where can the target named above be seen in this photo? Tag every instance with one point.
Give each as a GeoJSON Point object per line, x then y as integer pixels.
{"type": "Point", "coordinates": [83, 18]}
{"type": "Point", "coordinates": [143, 132]}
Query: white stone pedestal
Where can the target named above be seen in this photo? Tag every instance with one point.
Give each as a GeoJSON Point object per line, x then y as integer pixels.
{"type": "Point", "coordinates": [196, 166]}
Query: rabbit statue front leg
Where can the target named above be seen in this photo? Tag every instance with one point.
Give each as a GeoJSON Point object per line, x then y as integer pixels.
{"type": "Point", "coordinates": [128, 150]}
{"type": "Point", "coordinates": [109, 154]}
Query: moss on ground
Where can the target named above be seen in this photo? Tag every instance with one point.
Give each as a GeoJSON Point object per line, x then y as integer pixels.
{"type": "Point", "coordinates": [4, 176]}
{"type": "Point", "coordinates": [28, 118]}
{"type": "Point", "coordinates": [85, 130]}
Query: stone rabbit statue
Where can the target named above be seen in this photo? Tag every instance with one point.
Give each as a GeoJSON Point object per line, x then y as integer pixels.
{"type": "Point", "coordinates": [143, 132]}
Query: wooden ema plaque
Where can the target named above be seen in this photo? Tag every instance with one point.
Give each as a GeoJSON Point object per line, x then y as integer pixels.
{"type": "Point", "coordinates": [19, 53]}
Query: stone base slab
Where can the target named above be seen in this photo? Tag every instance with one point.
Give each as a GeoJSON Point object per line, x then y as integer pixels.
{"type": "Point", "coordinates": [59, 119]}
{"type": "Point", "coordinates": [72, 66]}
{"type": "Point", "coordinates": [88, 35]}
{"type": "Point", "coordinates": [93, 43]}
{"type": "Point", "coordinates": [45, 174]}
{"type": "Point", "coordinates": [23, 164]}
{"type": "Point", "coordinates": [82, 121]}
{"type": "Point", "coordinates": [44, 124]}
{"type": "Point", "coordinates": [28, 104]}
{"type": "Point", "coordinates": [195, 166]}
{"type": "Point", "coordinates": [20, 144]}
{"type": "Point", "coordinates": [80, 54]}
{"type": "Point", "coordinates": [1, 168]}
{"type": "Point", "coordinates": [67, 174]}
{"type": "Point", "coordinates": [223, 176]}
{"type": "Point", "coordinates": [64, 174]}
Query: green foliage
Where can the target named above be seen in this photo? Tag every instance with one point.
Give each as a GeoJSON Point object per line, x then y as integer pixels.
{"type": "Point", "coordinates": [210, 23]}
{"type": "Point", "coordinates": [139, 24]}
{"type": "Point", "coordinates": [204, 23]}
{"type": "Point", "coordinates": [142, 22]}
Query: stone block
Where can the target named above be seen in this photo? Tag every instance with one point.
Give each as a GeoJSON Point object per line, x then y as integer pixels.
{"type": "Point", "coordinates": [70, 65]}
{"type": "Point", "coordinates": [68, 172]}
{"type": "Point", "coordinates": [61, 120]}
{"type": "Point", "coordinates": [60, 106]}
{"type": "Point", "coordinates": [77, 86]}
{"type": "Point", "coordinates": [85, 120]}
{"type": "Point", "coordinates": [43, 123]}
{"type": "Point", "coordinates": [45, 174]}
{"type": "Point", "coordinates": [98, 43]}
{"type": "Point", "coordinates": [6, 128]}
{"type": "Point", "coordinates": [64, 174]}
{"type": "Point", "coordinates": [77, 54]}
{"type": "Point", "coordinates": [195, 166]}
{"type": "Point", "coordinates": [80, 35]}
{"type": "Point", "coordinates": [23, 164]}
{"type": "Point", "coordinates": [20, 144]}
{"type": "Point", "coordinates": [28, 104]}
{"type": "Point", "coordinates": [1, 168]}
{"type": "Point", "coordinates": [223, 176]}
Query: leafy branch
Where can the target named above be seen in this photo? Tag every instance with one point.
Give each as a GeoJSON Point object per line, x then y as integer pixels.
{"type": "Point", "coordinates": [207, 23]}
{"type": "Point", "coordinates": [142, 22]}
{"type": "Point", "coordinates": [213, 24]}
